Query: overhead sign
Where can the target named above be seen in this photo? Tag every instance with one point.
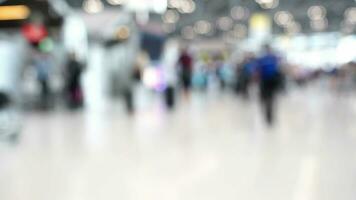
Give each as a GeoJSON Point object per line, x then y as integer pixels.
{"type": "Point", "coordinates": [17, 12]}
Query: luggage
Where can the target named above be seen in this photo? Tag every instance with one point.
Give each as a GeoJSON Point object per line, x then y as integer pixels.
{"type": "Point", "coordinates": [169, 97]}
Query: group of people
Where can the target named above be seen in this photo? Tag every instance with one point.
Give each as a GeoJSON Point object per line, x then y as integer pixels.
{"type": "Point", "coordinates": [265, 69]}
{"type": "Point", "coordinates": [72, 90]}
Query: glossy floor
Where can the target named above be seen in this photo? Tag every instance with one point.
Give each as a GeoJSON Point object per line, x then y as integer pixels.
{"type": "Point", "coordinates": [212, 147]}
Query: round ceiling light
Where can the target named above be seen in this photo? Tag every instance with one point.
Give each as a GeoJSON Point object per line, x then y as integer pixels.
{"type": "Point", "coordinates": [283, 18]}
{"type": "Point", "coordinates": [116, 2]}
{"type": "Point", "coordinates": [187, 6]}
{"type": "Point", "coordinates": [239, 13]}
{"type": "Point", "coordinates": [202, 27]}
{"type": "Point", "coordinates": [268, 4]}
{"type": "Point", "coordinates": [225, 23]}
{"type": "Point", "coordinates": [170, 16]}
{"type": "Point", "coordinates": [93, 6]}
{"type": "Point", "coordinates": [316, 12]}
{"type": "Point", "coordinates": [174, 3]}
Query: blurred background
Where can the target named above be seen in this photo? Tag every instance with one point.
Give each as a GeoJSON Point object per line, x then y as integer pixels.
{"type": "Point", "coordinates": [177, 99]}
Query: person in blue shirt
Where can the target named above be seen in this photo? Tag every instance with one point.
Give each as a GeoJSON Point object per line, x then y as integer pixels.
{"type": "Point", "coordinates": [270, 76]}
{"type": "Point", "coordinates": [43, 65]}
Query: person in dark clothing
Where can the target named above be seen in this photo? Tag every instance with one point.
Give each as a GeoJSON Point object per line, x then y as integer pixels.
{"type": "Point", "coordinates": [74, 89]}
{"type": "Point", "coordinates": [269, 72]}
{"type": "Point", "coordinates": [5, 100]}
{"type": "Point", "coordinates": [186, 68]}
{"type": "Point", "coordinates": [245, 74]}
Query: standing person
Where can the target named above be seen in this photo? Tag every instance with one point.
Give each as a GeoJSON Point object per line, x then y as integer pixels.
{"type": "Point", "coordinates": [186, 67]}
{"type": "Point", "coordinates": [73, 89]}
{"type": "Point", "coordinates": [269, 71]}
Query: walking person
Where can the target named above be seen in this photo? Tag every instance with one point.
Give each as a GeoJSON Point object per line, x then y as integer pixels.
{"type": "Point", "coordinates": [270, 80]}
{"type": "Point", "coordinates": [74, 90]}
{"type": "Point", "coordinates": [42, 62]}
{"type": "Point", "coordinates": [186, 68]}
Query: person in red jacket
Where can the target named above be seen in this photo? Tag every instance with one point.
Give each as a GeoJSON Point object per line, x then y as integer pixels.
{"type": "Point", "coordinates": [186, 68]}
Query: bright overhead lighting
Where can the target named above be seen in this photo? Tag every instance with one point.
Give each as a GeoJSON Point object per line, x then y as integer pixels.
{"type": "Point", "coordinates": [93, 6]}
{"type": "Point", "coordinates": [202, 27]}
{"type": "Point", "coordinates": [170, 16]}
{"type": "Point", "coordinates": [239, 13]}
{"type": "Point", "coordinates": [316, 12]}
{"type": "Point", "coordinates": [293, 28]}
{"type": "Point", "coordinates": [268, 4]}
{"type": "Point", "coordinates": [225, 23]}
{"type": "Point", "coordinates": [18, 12]}
{"type": "Point", "coordinates": [173, 3]}
{"type": "Point", "coordinates": [350, 15]}
{"type": "Point", "coordinates": [116, 2]}
{"type": "Point", "coordinates": [283, 18]}
{"type": "Point", "coordinates": [187, 6]}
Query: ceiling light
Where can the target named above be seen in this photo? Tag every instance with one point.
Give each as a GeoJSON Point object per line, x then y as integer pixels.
{"type": "Point", "coordinates": [173, 3]}
{"type": "Point", "coordinates": [93, 6]}
{"type": "Point", "coordinates": [316, 12]}
{"type": "Point", "coordinates": [239, 13]}
{"type": "Point", "coordinates": [171, 16]}
{"type": "Point", "coordinates": [225, 23]}
{"type": "Point", "coordinates": [116, 2]}
{"type": "Point", "coordinates": [187, 6]}
{"type": "Point", "coordinates": [268, 4]}
{"type": "Point", "coordinates": [350, 15]}
{"type": "Point", "coordinates": [283, 18]}
{"type": "Point", "coordinates": [202, 27]}
{"type": "Point", "coordinates": [18, 12]}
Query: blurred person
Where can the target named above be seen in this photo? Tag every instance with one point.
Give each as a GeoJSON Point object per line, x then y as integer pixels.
{"type": "Point", "coordinates": [186, 67]}
{"type": "Point", "coordinates": [270, 80]}
{"type": "Point", "coordinates": [43, 65]}
{"type": "Point", "coordinates": [200, 74]}
{"type": "Point", "coordinates": [220, 69]}
{"type": "Point", "coordinates": [74, 90]}
{"type": "Point", "coordinates": [245, 73]}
